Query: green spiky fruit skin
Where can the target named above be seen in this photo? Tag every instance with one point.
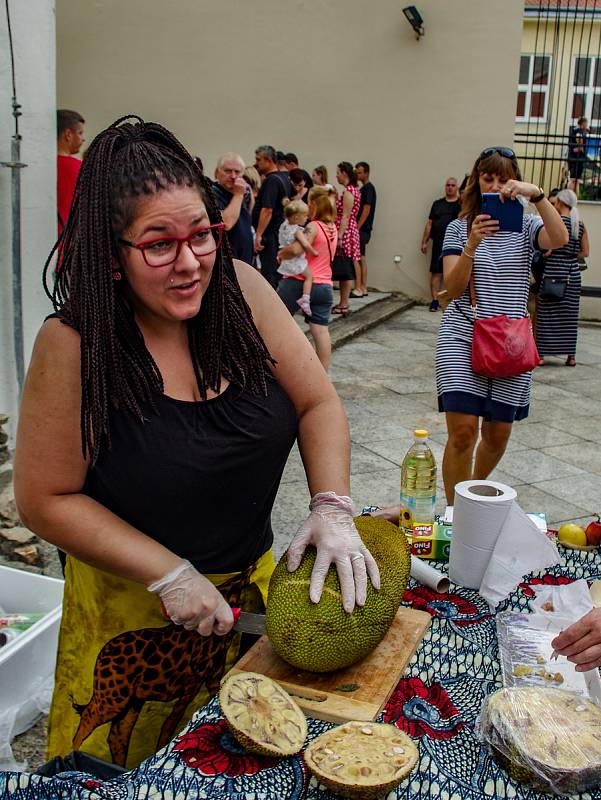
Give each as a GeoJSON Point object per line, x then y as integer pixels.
{"type": "Point", "coordinates": [322, 637]}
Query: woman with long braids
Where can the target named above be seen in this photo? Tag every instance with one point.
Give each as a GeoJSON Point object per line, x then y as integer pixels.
{"type": "Point", "coordinates": [161, 403]}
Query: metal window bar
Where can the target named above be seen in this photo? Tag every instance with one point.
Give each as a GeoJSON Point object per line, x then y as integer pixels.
{"type": "Point", "coordinates": [567, 43]}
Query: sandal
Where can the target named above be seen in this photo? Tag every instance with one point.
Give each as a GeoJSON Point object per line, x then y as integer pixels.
{"type": "Point", "coordinates": [541, 362]}
{"type": "Point", "coordinates": [357, 295]}
{"type": "Point", "coordinates": [571, 361]}
{"type": "Point", "coordinates": [344, 310]}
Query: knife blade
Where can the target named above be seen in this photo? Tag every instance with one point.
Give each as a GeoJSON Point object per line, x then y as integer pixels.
{"type": "Point", "coordinates": [244, 621]}
{"type": "Point", "coordinates": [247, 622]}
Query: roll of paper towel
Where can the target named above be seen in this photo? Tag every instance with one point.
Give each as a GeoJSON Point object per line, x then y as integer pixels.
{"type": "Point", "coordinates": [479, 512]}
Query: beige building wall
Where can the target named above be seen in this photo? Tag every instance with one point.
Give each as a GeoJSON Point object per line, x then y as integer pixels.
{"type": "Point", "coordinates": [331, 80]}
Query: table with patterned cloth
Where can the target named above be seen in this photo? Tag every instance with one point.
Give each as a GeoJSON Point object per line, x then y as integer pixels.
{"type": "Point", "coordinates": [437, 703]}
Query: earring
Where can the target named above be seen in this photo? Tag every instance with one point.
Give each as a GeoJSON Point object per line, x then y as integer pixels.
{"type": "Point", "coordinates": [116, 275]}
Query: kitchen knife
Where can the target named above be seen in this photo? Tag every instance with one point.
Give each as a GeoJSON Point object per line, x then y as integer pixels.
{"type": "Point", "coordinates": [248, 622]}
{"type": "Point", "coordinates": [244, 621]}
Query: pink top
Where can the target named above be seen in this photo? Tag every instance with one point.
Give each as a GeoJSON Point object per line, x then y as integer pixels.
{"type": "Point", "coordinates": [325, 243]}
{"type": "Point", "coordinates": [321, 264]}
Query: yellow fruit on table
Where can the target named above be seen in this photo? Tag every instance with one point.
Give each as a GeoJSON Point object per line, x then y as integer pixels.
{"type": "Point", "coordinates": [571, 534]}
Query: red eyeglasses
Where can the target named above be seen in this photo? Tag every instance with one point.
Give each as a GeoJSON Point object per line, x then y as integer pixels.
{"type": "Point", "coordinates": [164, 251]}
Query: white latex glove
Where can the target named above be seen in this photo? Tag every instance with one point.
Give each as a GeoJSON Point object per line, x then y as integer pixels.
{"type": "Point", "coordinates": [191, 600]}
{"type": "Point", "coordinates": [331, 529]}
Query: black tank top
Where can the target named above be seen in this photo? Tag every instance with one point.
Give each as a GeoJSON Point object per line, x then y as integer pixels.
{"type": "Point", "coordinates": [200, 477]}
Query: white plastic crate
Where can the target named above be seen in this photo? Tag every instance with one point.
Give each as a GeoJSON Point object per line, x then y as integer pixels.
{"type": "Point", "coordinates": [29, 660]}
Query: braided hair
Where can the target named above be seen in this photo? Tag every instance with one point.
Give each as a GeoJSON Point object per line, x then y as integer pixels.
{"type": "Point", "coordinates": [125, 162]}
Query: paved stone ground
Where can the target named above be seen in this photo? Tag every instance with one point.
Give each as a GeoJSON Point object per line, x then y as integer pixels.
{"type": "Point", "coordinates": [386, 380]}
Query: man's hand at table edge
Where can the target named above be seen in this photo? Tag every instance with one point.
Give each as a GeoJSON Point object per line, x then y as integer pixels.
{"type": "Point", "coordinates": [581, 642]}
{"type": "Point", "coordinates": [331, 530]}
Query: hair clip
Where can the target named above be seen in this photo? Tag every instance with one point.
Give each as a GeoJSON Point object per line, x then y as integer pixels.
{"type": "Point", "coordinates": [117, 276]}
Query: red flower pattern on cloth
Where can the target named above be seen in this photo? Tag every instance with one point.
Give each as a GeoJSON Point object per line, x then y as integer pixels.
{"type": "Point", "coordinates": [450, 606]}
{"type": "Point", "coordinates": [422, 710]}
{"type": "Point", "coordinates": [546, 580]}
{"type": "Point", "coordinates": [213, 751]}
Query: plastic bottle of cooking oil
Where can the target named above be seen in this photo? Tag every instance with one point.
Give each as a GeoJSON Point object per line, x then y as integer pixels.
{"type": "Point", "coordinates": [418, 483]}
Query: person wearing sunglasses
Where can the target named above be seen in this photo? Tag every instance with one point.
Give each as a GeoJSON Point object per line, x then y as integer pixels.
{"type": "Point", "coordinates": [476, 406]}
{"type": "Point", "coordinates": [161, 403]}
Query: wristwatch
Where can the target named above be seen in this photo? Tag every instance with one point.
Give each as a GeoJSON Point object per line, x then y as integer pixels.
{"type": "Point", "coordinates": [537, 198]}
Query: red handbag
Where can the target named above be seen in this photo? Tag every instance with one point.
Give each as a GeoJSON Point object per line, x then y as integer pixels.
{"type": "Point", "coordinates": [502, 347]}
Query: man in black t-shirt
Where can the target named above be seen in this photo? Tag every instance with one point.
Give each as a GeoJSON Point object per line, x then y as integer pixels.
{"type": "Point", "coordinates": [442, 212]}
{"type": "Point", "coordinates": [234, 199]}
{"type": "Point", "coordinates": [365, 221]}
{"type": "Point", "coordinates": [268, 211]}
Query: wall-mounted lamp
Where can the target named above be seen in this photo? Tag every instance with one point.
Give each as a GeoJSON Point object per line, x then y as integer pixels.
{"type": "Point", "coordinates": [414, 18]}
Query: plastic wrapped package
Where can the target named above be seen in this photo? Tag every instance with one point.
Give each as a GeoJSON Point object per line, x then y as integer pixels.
{"type": "Point", "coordinates": [527, 657]}
{"type": "Point", "coordinates": [547, 739]}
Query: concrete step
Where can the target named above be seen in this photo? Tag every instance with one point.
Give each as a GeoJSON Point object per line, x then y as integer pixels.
{"type": "Point", "coordinates": [365, 314]}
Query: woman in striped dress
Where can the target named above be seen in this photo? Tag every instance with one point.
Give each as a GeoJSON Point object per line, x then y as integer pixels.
{"type": "Point", "coordinates": [557, 320]}
{"type": "Point", "coordinates": [500, 262]}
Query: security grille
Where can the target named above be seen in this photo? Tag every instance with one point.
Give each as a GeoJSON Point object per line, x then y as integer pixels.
{"type": "Point", "coordinates": [559, 81]}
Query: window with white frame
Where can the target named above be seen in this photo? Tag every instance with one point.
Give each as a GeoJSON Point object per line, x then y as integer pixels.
{"type": "Point", "coordinates": [533, 88]}
{"type": "Point", "coordinates": [586, 90]}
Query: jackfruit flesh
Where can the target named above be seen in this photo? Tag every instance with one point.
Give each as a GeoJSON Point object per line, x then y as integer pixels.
{"type": "Point", "coordinates": [361, 759]}
{"type": "Point", "coordinates": [322, 637]}
{"type": "Point", "coordinates": [261, 715]}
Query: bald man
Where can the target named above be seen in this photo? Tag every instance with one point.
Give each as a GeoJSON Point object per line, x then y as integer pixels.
{"type": "Point", "coordinates": [443, 211]}
{"type": "Point", "coordinates": [235, 200]}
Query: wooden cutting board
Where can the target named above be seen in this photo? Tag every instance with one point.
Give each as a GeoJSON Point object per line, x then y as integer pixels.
{"type": "Point", "coordinates": [376, 675]}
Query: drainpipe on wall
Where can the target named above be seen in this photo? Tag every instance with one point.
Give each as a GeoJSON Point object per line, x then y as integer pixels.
{"type": "Point", "coordinates": [16, 166]}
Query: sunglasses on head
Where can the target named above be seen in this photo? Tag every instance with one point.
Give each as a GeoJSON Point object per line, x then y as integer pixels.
{"type": "Point", "coordinates": [507, 152]}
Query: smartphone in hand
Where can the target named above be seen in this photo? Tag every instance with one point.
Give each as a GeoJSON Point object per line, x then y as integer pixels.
{"type": "Point", "coordinates": [509, 213]}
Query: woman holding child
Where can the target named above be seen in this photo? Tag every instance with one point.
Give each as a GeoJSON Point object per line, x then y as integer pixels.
{"type": "Point", "coordinates": [321, 237]}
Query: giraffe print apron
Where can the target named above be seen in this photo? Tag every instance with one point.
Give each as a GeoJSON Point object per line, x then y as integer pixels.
{"type": "Point", "coordinates": [126, 680]}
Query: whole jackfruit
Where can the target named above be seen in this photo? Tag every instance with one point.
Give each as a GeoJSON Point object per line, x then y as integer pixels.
{"type": "Point", "coordinates": [322, 637]}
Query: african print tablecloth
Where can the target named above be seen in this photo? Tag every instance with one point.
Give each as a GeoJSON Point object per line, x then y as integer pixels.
{"type": "Point", "coordinates": [437, 703]}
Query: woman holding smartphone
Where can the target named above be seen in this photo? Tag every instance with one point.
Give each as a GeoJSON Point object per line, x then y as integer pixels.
{"type": "Point", "coordinates": [500, 264]}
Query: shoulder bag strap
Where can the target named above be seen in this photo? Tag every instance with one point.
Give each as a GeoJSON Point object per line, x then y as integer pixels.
{"type": "Point", "coordinates": [326, 238]}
